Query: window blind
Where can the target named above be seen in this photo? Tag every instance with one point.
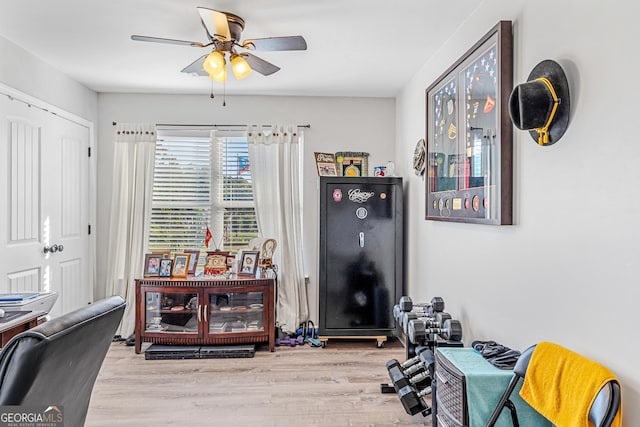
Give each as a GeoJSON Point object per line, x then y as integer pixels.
{"type": "Point", "coordinates": [200, 182]}
{"type": "Point", "coordinates": [234, 203]}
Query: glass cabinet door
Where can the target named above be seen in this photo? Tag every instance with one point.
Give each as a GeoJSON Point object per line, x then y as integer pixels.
{"type": "Point", "coordinates": [234, 312]}
{"type": "Point", "coordinates": [171, 311]}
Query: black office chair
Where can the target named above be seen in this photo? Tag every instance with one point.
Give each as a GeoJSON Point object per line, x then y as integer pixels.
{"type": "Point", "coordinates": [56, 363]}
{"type": "Point", "coordinates": [602, 412]}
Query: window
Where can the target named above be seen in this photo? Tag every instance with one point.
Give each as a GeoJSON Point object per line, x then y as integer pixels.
{"type": "Point", "coordinates": [199, 182]}
{"type": "Point", "coordinates": [233, 201]}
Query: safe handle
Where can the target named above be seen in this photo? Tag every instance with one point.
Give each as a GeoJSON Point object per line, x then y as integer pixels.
{"type": "Point", "coordinates": [361, 239]}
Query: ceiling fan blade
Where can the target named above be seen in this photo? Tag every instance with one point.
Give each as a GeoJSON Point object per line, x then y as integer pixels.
{"type": "Point", "coordinates": [196, 67]}
{"type": "Point", "coordinates": [215, 22]}
{"type": "Point", "coordinates": [260, 65]}
{"type": "Point", "coordinates": [167, 41]}
{"type": "Point", "coordinates": [276, 43]}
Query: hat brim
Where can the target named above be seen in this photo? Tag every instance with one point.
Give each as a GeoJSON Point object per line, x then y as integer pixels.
{"type": "Point", "coordinates": [552, 71]}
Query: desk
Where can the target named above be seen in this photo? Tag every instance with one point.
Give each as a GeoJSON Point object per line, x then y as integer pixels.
{"type": "Point", "coordinates": [18, 324]}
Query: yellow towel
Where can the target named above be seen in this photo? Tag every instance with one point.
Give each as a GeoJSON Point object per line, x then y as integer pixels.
{"type": "Point", "coordinates": [562, 385]}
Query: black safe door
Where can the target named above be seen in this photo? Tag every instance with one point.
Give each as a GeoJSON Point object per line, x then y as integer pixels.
{"type": "Point", "coordinates": [360, 254]}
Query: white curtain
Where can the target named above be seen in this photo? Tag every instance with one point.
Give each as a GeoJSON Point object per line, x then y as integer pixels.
{"type": "Point", "coordinates": [275, 156]}
{"type": "Point", "coordinates": [133, 165]}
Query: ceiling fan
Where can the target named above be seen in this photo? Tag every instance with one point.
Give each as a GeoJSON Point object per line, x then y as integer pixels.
{"type": "Point", "coordinates": [223, 31]}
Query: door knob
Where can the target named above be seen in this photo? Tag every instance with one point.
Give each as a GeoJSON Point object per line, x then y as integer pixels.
{"type": "Point", "coordinates": [60, 248]}
{"type": "Point", "coordinates": [53, 248]}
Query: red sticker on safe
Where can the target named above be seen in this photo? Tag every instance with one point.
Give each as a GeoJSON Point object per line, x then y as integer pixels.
{"type": "Point", "coordinates": [337, 195]}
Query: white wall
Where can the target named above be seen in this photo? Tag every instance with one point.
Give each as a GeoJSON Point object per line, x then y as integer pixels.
{"type": "Point", "coordinates": [567, 270]}
{"type": "Point", "coordinates": [337, 124]}
{"type": "Point", "coordinates": [27, 73]}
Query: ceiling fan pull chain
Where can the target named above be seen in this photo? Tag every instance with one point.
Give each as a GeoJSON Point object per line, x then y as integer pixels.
{"type": "Point", "coordinates": [212, 95]}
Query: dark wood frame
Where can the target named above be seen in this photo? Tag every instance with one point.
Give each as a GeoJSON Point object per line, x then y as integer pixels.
{"type": "Point", "coordinates": [489, 202]}
{"type": "Point", "coordinates": [256, 259]}
{"type": "Point", "coordinates": [165, 260]}
{"type": "Point", "coordinates": [193, 261]}
{"type": "Point", "coordinates": [147, 258]}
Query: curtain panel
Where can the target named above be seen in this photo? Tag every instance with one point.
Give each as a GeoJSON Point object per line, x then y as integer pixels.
{"type": "Point", "coordinates": [275, 155]}
{"type": "Point", "coordinates": [133, 165]}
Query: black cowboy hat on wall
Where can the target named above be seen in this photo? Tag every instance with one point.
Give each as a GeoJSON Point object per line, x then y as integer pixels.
{"type": "Point", "coordinates": [542, 105]}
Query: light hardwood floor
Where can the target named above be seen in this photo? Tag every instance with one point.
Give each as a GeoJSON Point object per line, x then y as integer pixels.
{"type": "Point", "coordinates": [294, 386]}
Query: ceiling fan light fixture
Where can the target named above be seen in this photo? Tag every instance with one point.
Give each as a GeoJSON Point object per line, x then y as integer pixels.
{"type": "Point", "coordinates": [213, 63]}
{"type": "Point", "coordinates": [221, 76]}
{"type": "Point", "coordinates": [240, 66]}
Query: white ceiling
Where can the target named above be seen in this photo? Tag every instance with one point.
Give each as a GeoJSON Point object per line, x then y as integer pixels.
{"type": "Point", "coordinates": [355, 47]}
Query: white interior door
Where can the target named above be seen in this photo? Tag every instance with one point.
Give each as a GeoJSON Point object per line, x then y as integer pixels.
{"type": "Point", "coordinates": [45, 190]}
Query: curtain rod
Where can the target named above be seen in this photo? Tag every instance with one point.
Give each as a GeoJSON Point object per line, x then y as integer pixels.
{"type": "Point", "coordinates": [226, 126]}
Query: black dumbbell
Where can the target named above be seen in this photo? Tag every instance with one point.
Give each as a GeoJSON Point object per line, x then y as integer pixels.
{"type": "Point", "coordinates": [389, 388]}
{"type": "Point", "coordinates": [406, 316]}
{"type": "Point", "coordinates": [436, 320]}
{"type": "Point", "coordinates": [429, 322]}
{"type": "Point", "coordinates": [406, 305]}
{"type": "Point", "coordinates": [407, 363]}
{"type": "Point", "coordinates": [418, 330]}
{"type": "Point", "coordinates": [415, 375]}
{"type": "Point", "coordinates": [412, 399]}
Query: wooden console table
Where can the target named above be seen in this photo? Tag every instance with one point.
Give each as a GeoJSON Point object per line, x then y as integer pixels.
{"type": "Point", "coordinates": [205, 311]}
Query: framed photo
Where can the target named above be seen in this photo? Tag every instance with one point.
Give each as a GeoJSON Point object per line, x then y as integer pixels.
{"type": "Point", "coordinates": [352, 163]}
{"type": "Point", "coordinates": [180, 266]}
{"type": "Point", "coordinates": [193, 261]}
{"type": "Point", "coordinates": [152, 265]}
{"type": "Point", "coordinates": [165, 267]}
{"type": "Point", "coordinates": [248, 263]}
{"type": "Point", "coordinates": [326, 164]}
{"type": "Point", "coordinates": [469, 153]}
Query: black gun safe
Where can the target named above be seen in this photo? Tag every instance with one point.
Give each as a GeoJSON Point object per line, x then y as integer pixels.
{"type": "Point", "coordinates": [361, 256]}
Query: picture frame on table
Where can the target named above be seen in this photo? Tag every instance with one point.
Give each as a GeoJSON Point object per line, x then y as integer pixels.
{"type": "Point", "coordinates": [152, 265]}
{"type": "Point", "coordinates": [166, 265]}
{"type": "Point", "coordinates": [193, 261]}
{"type": "Point", "coordinates": [248, 263]}
{"type": "Point", "coordinates": [326, 164]}
{"type": "Point", "coordinates": [469, 149]}
{"type": "Point", "coordinates": [180, 267]}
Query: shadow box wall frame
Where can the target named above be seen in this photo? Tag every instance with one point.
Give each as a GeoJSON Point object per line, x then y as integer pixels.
{"type": "Point", "coordinates": [473, 181]}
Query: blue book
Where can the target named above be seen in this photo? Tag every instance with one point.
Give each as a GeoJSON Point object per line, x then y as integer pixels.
{"type": "Point", "coordinates": [18, 296]}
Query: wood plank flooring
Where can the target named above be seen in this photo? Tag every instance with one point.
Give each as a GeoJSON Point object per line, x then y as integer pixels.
{"type": "Point", "coordinates": [294, 386]}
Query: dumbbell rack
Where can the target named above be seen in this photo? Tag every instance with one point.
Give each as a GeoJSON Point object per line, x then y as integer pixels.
{"type": "Point", "coordinates": [425, 328]}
